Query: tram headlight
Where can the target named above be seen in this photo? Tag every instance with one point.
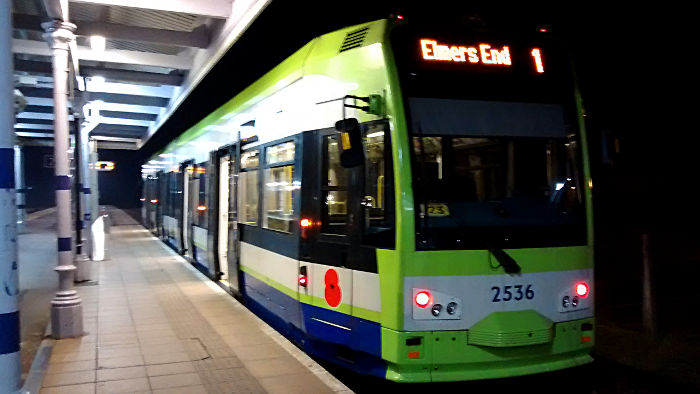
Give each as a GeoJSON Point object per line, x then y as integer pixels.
{"type": "Point", "coordinates": [423, 298]}
{"type": "Point", "coordinates": [451, 308]}
{"type": "Point", "coordinates": [582, 289]}
{"type": "Point", "coordinates": [437, 308]}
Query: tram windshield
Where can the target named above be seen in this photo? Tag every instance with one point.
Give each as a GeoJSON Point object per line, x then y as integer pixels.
{"type": "Point", "coordinates": [496, 157]}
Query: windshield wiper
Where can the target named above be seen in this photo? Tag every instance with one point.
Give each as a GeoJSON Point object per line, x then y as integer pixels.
{"type": "Point", "coordinates": [510, 266]}
{"type": "Point", "coordinates": [508, 263]}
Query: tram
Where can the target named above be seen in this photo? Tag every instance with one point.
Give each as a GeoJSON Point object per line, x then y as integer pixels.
{"type": "Point", "coordinates": [407, 201]}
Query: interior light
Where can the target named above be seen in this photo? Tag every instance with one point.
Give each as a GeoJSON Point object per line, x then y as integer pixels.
{"type": "Point", "coordinates": [201, 208]}
{"type": "Point", "coordinates": [98, 43]}
{"type": "Point", "coordinates": [582, 289]}
{"type": "Point", "coordinates": [154, 201]}
{"type": "Point", "coordinates": [423, 298]}
{"type": "Point", "coordinates": [305, 223]}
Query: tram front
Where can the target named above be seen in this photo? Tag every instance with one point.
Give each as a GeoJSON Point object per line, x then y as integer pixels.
{"type": "Point", "coordinates": [498, 280]}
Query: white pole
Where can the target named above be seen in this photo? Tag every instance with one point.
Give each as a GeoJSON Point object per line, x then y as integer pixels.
{"type": "Point", "coordinates": [85, 130]}
{"type": "Point", "coordinates": [66, 306]}
{"type": "Point", "coordinates": [9, 315]}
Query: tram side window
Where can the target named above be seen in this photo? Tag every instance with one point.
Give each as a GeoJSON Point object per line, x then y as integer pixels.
{"type": "Point", "coordinates": [248, 188]}
{"type": "Point", "coordinates": [202, 201]}
{"type": "Point", "coordinates": [278, 190]}
{"type": "Point", "coordinates": [377, 201]}
{"type": "Point", "coordinates": [334, 189]}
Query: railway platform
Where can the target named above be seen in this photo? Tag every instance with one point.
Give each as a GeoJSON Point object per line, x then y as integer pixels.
{"type": "Point", "coordinates": [156, 325]}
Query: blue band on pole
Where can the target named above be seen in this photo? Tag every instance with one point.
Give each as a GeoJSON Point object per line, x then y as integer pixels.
{"type": "Point", "coordinates": [9, 327]}
{"type": "Point", "coordinates": [7, 168]}
{"type": "Point", "coordinates": [86, 190]}
{"type": "Point", "coordinates": [62, 182]}
{"type": "Point", "coordinates": [87, 217]}
{"type": "Point", "coordinates": [64, 245]}
{"type": "Point", "coordinates": [21, 206]}
{"type": "Point", "coordinates": [20, 191]}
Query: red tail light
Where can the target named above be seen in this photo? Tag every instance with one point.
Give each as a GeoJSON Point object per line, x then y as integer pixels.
{"type": "Point", "coordinates": [303, 280]}
{"type": "Point", "coordinates": [582, 289]}
{"type": "Point", "coordinates": [423, 298]}
{"type": "Point", "coordinates": [306, 226]}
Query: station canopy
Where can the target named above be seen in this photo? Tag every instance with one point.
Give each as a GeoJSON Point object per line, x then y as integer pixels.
{"type": "Point", "coordinates": [133, 62]}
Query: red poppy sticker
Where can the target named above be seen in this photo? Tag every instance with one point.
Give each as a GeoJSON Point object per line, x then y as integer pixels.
{"type": "Point", "coordinates": [333, 293]}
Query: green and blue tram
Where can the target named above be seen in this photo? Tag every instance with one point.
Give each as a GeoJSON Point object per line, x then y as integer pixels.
{"type": "Point", "coordinates": [410, 202]}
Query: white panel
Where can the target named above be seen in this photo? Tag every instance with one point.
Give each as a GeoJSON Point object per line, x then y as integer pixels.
{"type": "Point", "coordinates": [477, 296]}
{"type": "Point", "coordinates": [211, 8]}
{"type": "Point", "coordinates": [40, 48]}
{"type": "Point", "coordinates": [199, 236]}
{"type": "Point", "coordinates": [317, 280]}
{"type": "Point", "coordinates": [281, 269]}
{"type": "Point", "coordinates": [223, 214]}
{"type": "Point", "coordinates": [366, 292]}
{"type": "Point", "coordinates": [93, 85]}
{"type": "Point", "coordinates": [170, 224]}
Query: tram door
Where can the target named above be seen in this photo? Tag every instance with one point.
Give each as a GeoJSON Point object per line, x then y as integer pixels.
{"type": "Point", "coordinates": [222, 249]}
{"type": "Point", "coordinates": [228, 238]}
{"type": "Point", "coordinates": [186, 219]}
{"type": "Point", "coordinates": [192, 202]}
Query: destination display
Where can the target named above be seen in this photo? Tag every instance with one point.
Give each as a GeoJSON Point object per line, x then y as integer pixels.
{"type": "Point", "coordinates": [484, 54]}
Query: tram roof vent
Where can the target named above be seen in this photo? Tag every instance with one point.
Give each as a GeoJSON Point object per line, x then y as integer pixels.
{"type": "Point", "coordinates": [354, 39]}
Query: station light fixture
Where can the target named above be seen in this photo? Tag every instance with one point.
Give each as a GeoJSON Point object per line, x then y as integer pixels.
{"type": "Point", "coordinates": [98, 43]}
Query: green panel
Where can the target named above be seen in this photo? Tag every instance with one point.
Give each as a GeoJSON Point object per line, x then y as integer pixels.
{"type": "Point", "coordinates": [446, 355]}
{"type": "Point", "coordinates": [480, 262]}
{"type": "Point", "coordinates": [390, 271]}
{"type": "Point", "coordinates": [282, 75]}
{"type": "Point", "coordinates": [508, 329]}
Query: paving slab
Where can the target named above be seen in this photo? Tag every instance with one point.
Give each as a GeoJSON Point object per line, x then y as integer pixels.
{"type": "Point", "coordinates": [154, 324]}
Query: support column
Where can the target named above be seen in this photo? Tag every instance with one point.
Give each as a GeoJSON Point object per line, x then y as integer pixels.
{"type": "Point", "coordinates": [9, 315]}
{"type": "Point", "coordinates": [20, 189]}
{"type": "Point", "coordinates": [66, 306]}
